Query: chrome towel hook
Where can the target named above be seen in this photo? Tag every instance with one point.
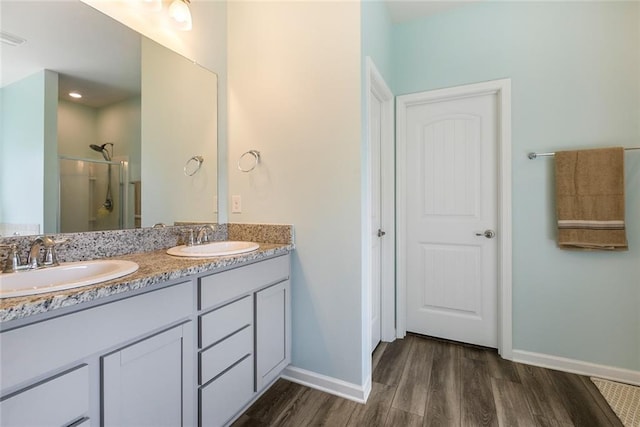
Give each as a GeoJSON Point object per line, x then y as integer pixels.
{"type": "Point", "coordinates": [254, 163]}
{"type": "Point", "coordinates": [193, 165]}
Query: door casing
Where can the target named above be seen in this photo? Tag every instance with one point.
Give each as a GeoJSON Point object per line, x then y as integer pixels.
{"type": "Point", "coordinates": [502, 89]}
{"type": "Point", "coordinates": [376, 86]}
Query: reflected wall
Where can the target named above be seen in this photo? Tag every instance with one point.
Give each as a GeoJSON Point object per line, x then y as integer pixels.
{"type": "Point", "coordinates": [178, 123]}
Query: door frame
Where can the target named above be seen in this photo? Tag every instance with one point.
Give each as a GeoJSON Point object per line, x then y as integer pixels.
{"type": "Point", "coordinates": [376, 85]}
{"type": "Point", "coordinates": [502, 88]}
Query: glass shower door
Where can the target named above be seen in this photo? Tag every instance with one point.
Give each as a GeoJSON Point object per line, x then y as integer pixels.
{"type": "Point", "coordinates": [91, 195]}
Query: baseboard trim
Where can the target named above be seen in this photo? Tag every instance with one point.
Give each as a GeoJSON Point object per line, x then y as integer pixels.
{"type": "Point", "coordinates": [328, 384]}
{"type": "Point", "coordinates": [577, 366]}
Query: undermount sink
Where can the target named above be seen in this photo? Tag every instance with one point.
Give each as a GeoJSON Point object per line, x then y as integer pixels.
{"type": "Point", "coordinates": [213, 249]}
{"type": "Point", "coordinates": [67, 275]}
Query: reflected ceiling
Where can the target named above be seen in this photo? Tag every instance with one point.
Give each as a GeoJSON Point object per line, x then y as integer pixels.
{"type": "Point", "coordinates": [79, 67]}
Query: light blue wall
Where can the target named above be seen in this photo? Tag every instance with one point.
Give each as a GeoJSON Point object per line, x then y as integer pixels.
{"type": "Point", "coordinates": [29, 135]}
{"type": "Point", "coordinates": [22, 129]}
{"type": "Point", "coordinates": [575, 70]}
{"type": "Point", "coordinates": [377, 36]}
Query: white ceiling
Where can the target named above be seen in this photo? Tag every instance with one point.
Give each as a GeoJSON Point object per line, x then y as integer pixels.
{"type": "Point", "coordinates": [403, 10]}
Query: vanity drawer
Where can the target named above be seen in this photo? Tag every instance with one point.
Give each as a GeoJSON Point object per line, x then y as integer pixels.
{"type": "Point", "coordinates": [221, 356]}
{"type": "Point", "coordinates": [225, 320]}
{"type": "Point", "coordinates": [220, 287]}
{"type": "Point", "coordinates": [225, 396]}
{"type": "Point", "coordinates": [60, 401]}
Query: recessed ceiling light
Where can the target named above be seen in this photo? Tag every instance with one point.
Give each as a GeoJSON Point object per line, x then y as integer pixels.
{"type": "Point", "coordinates": [75, 95]}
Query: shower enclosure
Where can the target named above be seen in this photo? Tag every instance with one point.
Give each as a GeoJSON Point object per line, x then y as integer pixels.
{"type": "Point", "coordinates": [92, 195]}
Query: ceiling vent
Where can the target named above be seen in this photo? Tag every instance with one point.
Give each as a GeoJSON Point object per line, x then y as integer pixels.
{"type": "Point", "coordinates": [10, 39]}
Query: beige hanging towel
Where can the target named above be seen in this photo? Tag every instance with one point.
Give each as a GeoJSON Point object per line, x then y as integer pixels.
{"type": "Point", "coordinates": [590, 199]}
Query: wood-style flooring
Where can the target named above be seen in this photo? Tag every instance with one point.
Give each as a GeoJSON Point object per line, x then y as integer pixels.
{"type": "Point", "coordinates": [421, 381]}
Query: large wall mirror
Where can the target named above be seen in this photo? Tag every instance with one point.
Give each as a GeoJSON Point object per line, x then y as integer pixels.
{"type": "Point", "coordinates": [138, 148]}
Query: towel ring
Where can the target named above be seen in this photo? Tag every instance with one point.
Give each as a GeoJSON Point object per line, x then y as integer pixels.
{"type": "Point", "coordinates": [193, 165]}
{"type": "Point", "coordinates": [256, 160]}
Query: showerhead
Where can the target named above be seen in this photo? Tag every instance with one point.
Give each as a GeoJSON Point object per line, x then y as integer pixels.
{"type": "Point", "coordinates": [103, 149]}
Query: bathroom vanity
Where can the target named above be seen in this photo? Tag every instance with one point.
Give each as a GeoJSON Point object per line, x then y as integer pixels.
{"type": "Point", "coordinates": [192, 345]}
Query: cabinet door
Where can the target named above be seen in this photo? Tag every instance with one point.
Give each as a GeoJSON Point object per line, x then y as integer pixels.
{"type": "Point", "coordinates": [273, 332]}
{"type": "Point", "coordinates": [143, 383]}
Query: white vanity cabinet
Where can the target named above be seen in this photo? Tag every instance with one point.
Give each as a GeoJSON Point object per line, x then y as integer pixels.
{"type": "Point", "coordinates": [244, 336]}
{"type": "Point", "coordinates": [113, 361]}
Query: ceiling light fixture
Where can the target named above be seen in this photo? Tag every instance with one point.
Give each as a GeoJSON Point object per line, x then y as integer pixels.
{"type": "Point", "coordinates": [180, 13]}
{"type": "Point", "coordinates": [75, 95]}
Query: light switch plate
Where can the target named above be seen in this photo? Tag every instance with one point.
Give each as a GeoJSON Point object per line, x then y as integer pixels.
{"type": "Point", "coordinates": [236, 204]}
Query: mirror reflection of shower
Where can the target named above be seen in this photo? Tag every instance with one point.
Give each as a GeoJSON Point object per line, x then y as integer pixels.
{"type": "Point", "coordinates": [108, 203]}
{"type": "Point", "coordinates": [83, 204]}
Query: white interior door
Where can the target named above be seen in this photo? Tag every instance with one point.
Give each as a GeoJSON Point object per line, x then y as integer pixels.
{"type": "Point", "coordinates": [451, 217]}
{"type": "Point", "coordinates": [379, 225]}
{"type": "Point", "coordinates": [375, 126]}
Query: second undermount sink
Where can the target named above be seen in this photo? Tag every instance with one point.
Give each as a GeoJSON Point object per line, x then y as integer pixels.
{"type": "Point", "coordinates": [213, 249]}
{"type": "Point", "coordinates": [67, 275]}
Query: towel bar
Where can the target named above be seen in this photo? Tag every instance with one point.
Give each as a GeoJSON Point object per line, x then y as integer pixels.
{"type": "Point", "coordinates": [533, 155]}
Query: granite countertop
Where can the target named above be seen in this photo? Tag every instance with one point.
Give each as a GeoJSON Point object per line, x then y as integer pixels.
{"type": "Point", "coordinates": [154, 267]}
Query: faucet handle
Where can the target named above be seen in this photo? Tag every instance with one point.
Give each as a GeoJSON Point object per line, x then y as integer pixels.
{"type": "Point", "coordinates": [50, 258]}
{"type": "Point", "coordinates": [203, 234]}
{"type": "Point", "coordinates": [12, 263]}
{"type": "Point", "coordinates": [191, 239]}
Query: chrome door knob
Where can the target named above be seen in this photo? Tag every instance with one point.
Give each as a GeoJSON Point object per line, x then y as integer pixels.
{"type": "Point", "coordinates": [489, 234]}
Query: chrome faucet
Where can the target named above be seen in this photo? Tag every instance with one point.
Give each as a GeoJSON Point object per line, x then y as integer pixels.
{"type": "Point", "coordinates": [203, 234]}
{"type": "Point", "coordinates": [12, 263]}
{"type": "Point", "coordinates": [49, 258]}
